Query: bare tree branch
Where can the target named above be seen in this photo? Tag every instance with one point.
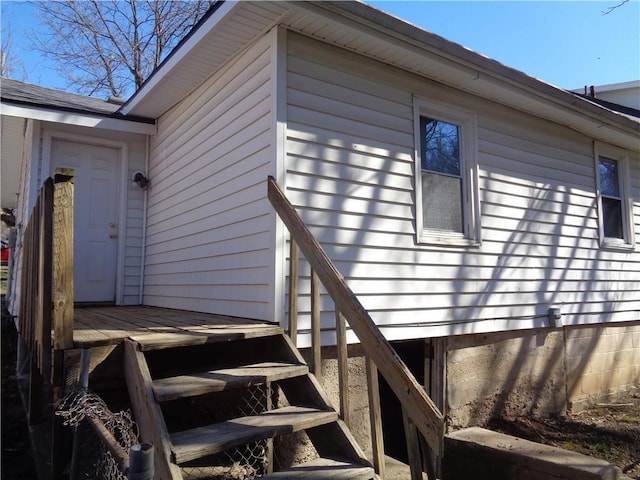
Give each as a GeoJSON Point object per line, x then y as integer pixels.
{"type": "Point", "coordinates": [612, 8]}
{"type": "Point", "coordinates": [109, 47]}
{"type": "Point", "coordinates": [10, 64]}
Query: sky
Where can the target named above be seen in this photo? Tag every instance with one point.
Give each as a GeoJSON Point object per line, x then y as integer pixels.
{"type": "Point", "coordinates": [570, 44]}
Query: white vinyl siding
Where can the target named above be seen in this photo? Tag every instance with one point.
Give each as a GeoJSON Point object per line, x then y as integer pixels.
{"type": "Point", "coordinates": [209, 225]}
{"type": "Point", "coordinates": [350, 174]}
{"type": "Point", "coordinates": [134, 223]}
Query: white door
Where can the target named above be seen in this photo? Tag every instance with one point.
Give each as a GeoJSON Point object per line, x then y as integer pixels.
{"type": "Point", "coordinates": [95, 223]}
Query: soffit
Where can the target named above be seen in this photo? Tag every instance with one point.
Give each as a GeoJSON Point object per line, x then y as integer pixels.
{"type": "Point", "coordinates": [228, 31]}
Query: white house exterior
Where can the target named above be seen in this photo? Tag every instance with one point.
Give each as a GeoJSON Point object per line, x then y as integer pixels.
{"type": "Point", "coordinates": [327, 98]}
{"type": "Point", "coordinates": [528, 275]}
{"type": "Point", "coordinates": [50, 128]}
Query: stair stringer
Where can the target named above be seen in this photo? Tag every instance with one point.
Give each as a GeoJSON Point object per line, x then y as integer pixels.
{"type": "Point", "coordinates": [147, 412]}
{"type": "Point", "coordinates": [333, 439]}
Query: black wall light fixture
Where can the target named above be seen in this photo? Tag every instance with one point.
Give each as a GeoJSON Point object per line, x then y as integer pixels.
{"type": "Point", "coordinates": [140, 179]}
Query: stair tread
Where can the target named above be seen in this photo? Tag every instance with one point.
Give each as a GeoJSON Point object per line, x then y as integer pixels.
{"type": "Point", "coordinates": [171, 388]}
{"type": "Point", "coordinates": [193, 336]}
{"type": "Point", "coordinates": [207, 440]}
{"type": "Point", "coordinates": [326, 469]}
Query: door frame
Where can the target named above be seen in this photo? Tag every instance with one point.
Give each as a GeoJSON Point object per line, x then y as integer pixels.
{"type": "Point", "coordinates": [49, 136]}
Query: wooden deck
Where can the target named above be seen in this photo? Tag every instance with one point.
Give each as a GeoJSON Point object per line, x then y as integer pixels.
{"type": "Point", "coordinates": [155, 327]}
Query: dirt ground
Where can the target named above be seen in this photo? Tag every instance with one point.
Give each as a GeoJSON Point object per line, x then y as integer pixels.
{"type": "Point", "coordinates": [610, 432]}
{"type": "Point", "coordinates": [16, 462]}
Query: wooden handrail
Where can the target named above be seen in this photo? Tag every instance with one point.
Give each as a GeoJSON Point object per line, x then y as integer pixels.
{"type": "Point", "coordinates": [416, 403]}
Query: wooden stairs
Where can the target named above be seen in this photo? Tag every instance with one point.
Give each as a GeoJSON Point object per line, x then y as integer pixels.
{"type": "Point", "coordinates": [214, 407]}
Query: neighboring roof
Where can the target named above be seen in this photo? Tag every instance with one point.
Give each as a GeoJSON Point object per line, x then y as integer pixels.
{"type": "Point", "coordinates": [625, 93]}
{"type": "Point", "coordinates": [24, 100]}
{"type": "Point", "coordinates": [614, 87]}
{"type": "Point", "coordinates": [365, 30]}
{"type": "Point", "coordinates": [29, 94]}
{"type": "Point", "coordinates": [616, 107]}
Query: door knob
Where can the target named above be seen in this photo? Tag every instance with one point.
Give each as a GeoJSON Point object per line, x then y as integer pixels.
{"type": "Point", "coordinates": [113, 235]}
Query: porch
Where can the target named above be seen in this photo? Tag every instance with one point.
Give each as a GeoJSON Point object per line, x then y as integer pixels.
{"type": "Point", "coordinates": [154, 327]}
{"type": "Point", "coordinates": [224, 356]}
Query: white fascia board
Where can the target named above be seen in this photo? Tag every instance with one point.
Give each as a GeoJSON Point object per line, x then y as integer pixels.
{"type": "Point", "coordinates": [177, 56]}
{"type": "Point", "coordinates": [78, 119]}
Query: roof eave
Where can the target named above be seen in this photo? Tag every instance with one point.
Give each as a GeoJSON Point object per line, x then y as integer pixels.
{"type": "Point", "coordinates": [217, 15]}
{"type": "Point", "coordinates": [491, 79]}
{"type": "Point", "coordinates": [78, 118]}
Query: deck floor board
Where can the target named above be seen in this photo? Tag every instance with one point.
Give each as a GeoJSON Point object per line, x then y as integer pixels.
{"type": "Point", "coordinates": [156, 327]}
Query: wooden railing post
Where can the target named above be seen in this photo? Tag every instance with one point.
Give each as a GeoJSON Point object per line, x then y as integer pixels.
{"type": "Point", "coordinates": [315, 325]}
{"type": "Point", "coordinates": [343, 368]}
{"type": "Point", "coordinates": [62, 310]}
{"type": "Point", "coordinates": [375, 417]}
{"type": "Point", "coordinates": [413, 447]}
{"type": "Point", "coordinates": [63, 263]}
{"type": "Point", "coordinates": [46, 258]}
{"type": "Point", "coordinates": [293, 290]}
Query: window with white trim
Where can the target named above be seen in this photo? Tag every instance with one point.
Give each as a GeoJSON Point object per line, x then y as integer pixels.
{"type": "Point", "coordinates": [614, 219]}
{"type": "Point", "coordinates": [446, 175]}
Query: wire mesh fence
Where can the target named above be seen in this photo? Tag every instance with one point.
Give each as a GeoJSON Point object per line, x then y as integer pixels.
{"type": "Point", "coordinates": [244, 462]}
{"type": "Point", "coordinates": [91, 458]}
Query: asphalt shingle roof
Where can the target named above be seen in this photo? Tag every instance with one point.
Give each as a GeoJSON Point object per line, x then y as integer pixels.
{"type": "Point", "coordinates": [27, 94]}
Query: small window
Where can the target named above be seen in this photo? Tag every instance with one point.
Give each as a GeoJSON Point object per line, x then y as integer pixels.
{"type": "Point", "coordinates": [614, 219]}
{"type": "Point", "coordinates": [446, 187]}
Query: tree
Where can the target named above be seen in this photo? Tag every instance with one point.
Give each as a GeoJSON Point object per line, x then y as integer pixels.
{"type": "Point", "coordinates": [110, 47]}
{"type": "Point", "coordinates": [7, 59]}
{"type": "Point", "coordinates": [10, 64]}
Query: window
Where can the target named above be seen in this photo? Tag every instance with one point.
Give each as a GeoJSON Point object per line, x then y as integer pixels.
{"type": "Point", "coordinates": [614, 219]}
{"type": "Point", "coordinates": [446, 187]}
{"type": "Point", "coordinates": [611, 198]}
{"type": "Point", "coordinates": [442, 190]}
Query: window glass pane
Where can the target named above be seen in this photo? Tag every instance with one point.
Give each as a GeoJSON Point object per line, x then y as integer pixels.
{"type": "Point", "coordinates": [609, 178]}
{"type": "Point", "coordinates": [442, 203]}
{"type": "Point", "coordinates": [612, 218]}
{"type": "Point", "coordinates": [440, 146]}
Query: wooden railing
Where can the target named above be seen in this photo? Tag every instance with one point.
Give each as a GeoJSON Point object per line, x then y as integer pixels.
{"type": "Point", "coordinates": [46, 289]}
{"type": "Point", "coordinates": [420, 413]}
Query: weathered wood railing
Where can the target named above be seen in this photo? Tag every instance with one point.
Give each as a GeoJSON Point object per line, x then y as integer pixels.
{"type": "Point", "coordinates": [46, 290]}
{"type": "Point", "coordinates": [420, 413]}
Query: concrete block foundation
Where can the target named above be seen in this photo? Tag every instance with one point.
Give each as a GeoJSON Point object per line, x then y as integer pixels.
{"type": "Point", "coordinates": [539, 372]}
{"type": "Point", "coordinates": [485, 455]}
